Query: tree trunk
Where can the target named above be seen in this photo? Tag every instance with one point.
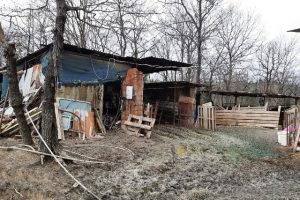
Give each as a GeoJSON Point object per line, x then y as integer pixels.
{"type": "Point", "coordinates": [49, 128]}
{"type": "Point", "coordinates": [199, 40]}
{"type": "Point", "coordinates": [15, 94]}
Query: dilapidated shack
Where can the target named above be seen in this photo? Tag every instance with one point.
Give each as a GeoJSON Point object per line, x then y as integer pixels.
{"type": "Point", "coordinates": [170, 96]}
{"type": "Point", "coordinates": [93, 87]}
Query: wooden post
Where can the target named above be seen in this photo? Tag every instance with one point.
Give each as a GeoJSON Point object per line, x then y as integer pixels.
{"type": "Point", "coordinates": [296, 101]}
{"type": "Point", "coordinates": [235, 100]}
{"type": "Point", "coordinates": [175, 90]}
{"type": "Point", "coordinates": [222, 101]}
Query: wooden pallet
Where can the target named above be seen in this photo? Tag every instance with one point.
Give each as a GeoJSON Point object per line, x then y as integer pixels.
{"type": "Point", "coordinates": [206, 117]}
{"type": "Point", "coordinates": [139, 125]}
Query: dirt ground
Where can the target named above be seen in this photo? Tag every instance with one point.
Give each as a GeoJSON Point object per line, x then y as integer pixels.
{"type": "Point", "coordinates": [176, 163]}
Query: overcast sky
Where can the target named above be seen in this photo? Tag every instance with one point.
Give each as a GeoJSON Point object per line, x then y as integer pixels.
{"type": "Point", "coordinates": [276, 16]}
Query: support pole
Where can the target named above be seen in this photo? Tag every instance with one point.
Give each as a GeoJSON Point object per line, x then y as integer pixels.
{"type": "Point", "coordinates": [175, 93]}
{"type": "Point", "coordinates": [235, 100]}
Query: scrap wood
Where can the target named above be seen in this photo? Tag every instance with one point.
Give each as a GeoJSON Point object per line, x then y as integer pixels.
{"type": "Point", "coordinates": [134, 124]}
{"type": "Point", "coordinates": [60, 131]}
{"type": "Point", "coordinates": [81, 131]}
{"type": "Point", "coordinates": [33, 98]}
{"type": "Point", "coordinates": [60, 164]}
{"type": "Point", "coordinates": [13, 126]}
{"type": "Point", "coordinates": [90, 124]}
{"type": "Point", "coordinates": [100, 122]}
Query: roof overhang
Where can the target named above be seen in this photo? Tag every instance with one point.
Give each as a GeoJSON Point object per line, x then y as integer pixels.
{"type": "Point", "coordinates": [146, 65]}
{"type": "Point", "coordinates": [295, 30]}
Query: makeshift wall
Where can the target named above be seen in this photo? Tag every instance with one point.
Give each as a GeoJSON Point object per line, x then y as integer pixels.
{"type": "Point", "coordinates": [83, 93]}
{"type": "Point", "coordinates": [254, 118]}
{"type": "Point", "coordinates": [134, 104]}
{"type": "Point", "coordinates": [40, 66]}
{"type": "Point", "coordinates": [164, 93]}
{"type": "Point", "coordinates": [153, 94]}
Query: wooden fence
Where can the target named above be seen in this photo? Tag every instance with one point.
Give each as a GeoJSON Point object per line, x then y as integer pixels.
{"type": "Point", "coordinates": [290, 124]}
{"type": "Point", "coordinates": [254, 118]}
{"type": "Point", "coordinates": [261, 108]}
{"type": "Point", "coordinates": [207, 117]}
{"type": "Point", "coordinates": [290, 117]}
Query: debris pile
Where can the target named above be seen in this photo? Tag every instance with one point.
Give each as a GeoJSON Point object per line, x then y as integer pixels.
{"type": "Point", "coordinates": [73, 117]}
{"type": "Point", "coordinates": [30, 85]}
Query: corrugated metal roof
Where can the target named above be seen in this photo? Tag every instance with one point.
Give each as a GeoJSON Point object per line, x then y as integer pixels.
{"type": "Point", "coordinates": [146, 65]}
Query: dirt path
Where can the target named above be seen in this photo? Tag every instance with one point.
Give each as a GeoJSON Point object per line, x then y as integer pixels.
{"type": "Point", "coordinates": [177, 163]}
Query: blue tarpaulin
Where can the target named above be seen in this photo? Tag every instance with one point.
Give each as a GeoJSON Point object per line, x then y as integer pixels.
{"type": "Point", "coordinates": [82, 69]}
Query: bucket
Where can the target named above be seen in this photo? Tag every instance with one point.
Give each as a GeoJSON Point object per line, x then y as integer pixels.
{"type": "Point", "coordinates": [282, 138]}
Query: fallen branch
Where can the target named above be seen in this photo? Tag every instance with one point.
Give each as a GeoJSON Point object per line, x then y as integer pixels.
{"type": "Point", "coordinates": [18, 192]}
{"type": "Point", "coordinates": [47, 154]}
{"type": "Point", "coordinates": [60, 164]}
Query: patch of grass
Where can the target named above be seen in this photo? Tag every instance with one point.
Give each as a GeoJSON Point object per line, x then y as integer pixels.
{"type": "Point", "coordinates": [250, 147]}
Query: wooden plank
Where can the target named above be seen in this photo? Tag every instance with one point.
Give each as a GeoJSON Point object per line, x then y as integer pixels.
{"type": "Point", "coordinates": [60, 131]}
{"type": "Point", "coordinates": [89, 124]}
{"type": "Point", "coordinates": [13, 126]}
{"type": "Point", "coordinates": [137, 125]}
{"type": "Point", "coordinates": [100, 122]}
{"type": "Point", "coordinates": [245, 111]}
{"type": "Point", "coordinates": [206, 117]}
{"type": "Point", "coordinates": [248, 118]}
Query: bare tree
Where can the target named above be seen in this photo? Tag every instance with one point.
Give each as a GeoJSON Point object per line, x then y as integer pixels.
{"type": "Point", "coordinates": [201, 16]}
{"type": "Point", "coordinates": [213, 62]}
{"type": "Point", "coordinates": [276, 64]}
{"type": "Point", "coordinates": [15, 95]}
{"type": "Point", "coordinates": [237, 36]}
{"type": "Point", "coordinates": [49, 127]}
{"type": "Point", "coordinates": [30, 26]}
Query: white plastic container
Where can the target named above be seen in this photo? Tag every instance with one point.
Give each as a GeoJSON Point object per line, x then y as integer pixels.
{"type": "Point", "coordinates": [282, 138]}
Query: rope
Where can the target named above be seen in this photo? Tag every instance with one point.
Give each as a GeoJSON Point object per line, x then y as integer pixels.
{"type": "Point", "coordinates": [60, 164]}
{"type": "Point", "coordinates": [47, 154]}
{"type": "Point", "coordinates": [102, 79]}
